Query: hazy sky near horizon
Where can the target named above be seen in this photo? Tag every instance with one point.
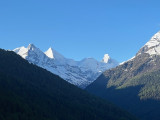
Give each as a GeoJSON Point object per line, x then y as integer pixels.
{"type": "Point", "coordinates": [80, 28]}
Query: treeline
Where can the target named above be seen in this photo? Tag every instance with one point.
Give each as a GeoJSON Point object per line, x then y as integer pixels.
{"type": "Point", "coordinates": [150, 82]}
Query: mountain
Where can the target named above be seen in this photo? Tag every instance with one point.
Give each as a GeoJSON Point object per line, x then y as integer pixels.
{"type": "Point", "coordinates": [28, 92]}
{"type": "Point", "coordinates": [80, 73]}
{"type": "Point", "coordinates": [135, 84]}
{"type": "Point", "coordinates": [152, 47]}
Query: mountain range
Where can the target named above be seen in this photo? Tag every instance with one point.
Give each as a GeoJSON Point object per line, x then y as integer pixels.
{"type": "Point", "coordinates": [29, 92]}
{"type": "Point", "coordinates": [135, 84]}
{"type": "Point", "coordinates": [80, 73]}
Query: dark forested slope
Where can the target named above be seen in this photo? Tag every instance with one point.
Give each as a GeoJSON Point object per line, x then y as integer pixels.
{"type": "Point", "coordinates": [28, 92]}
{"type": "Point", "coordinates": [134, 85]}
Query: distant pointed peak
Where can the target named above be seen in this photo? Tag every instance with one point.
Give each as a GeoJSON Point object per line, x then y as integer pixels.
{"type": "Point", "coordinates": [50, 53]}
{"type": "Point", "coordinates": [31, 46]}
{"type": "Point", "coordinates": [106, 55]}
{"type": "Point", "coordinates": [106, 58]}
{"type": "Point", "coordinates": [50, 49]}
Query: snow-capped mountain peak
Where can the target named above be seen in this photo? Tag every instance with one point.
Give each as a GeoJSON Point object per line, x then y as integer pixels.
{"type": "Point", "coordinates": [22, 51]}
{"type": "Point", "coordinates": [106, 58]}
{"type": "Point", "coordinates": [154, 41]}
{"type": "Point", "coordinates": [50, 53]}
{"type": "Point", "coordinates": [56, 56]}
{"type": "Point", "coordinates": [152, 47]}
{"type": "Point", "coordinates": [31, 53]}
{"type": "Point", "coordinates": [31, 47]}
{"type": "Point", "coordinates": [80, 73]}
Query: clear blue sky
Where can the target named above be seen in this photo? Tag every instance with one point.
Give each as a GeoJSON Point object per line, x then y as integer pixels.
{"type": "Point", "coordinates": [80, 28]}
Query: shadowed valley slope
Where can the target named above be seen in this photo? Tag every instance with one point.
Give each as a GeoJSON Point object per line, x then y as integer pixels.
{"type": "Point", "coordinates": [28, 92]}
{"type": "Point", "coordinates": [135, 84]}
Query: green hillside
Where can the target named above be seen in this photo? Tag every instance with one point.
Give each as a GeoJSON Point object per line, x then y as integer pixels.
{"type": "Point", "coordinates": [134, 86]}
{"type": "Point", "coordinates": [150, 83]}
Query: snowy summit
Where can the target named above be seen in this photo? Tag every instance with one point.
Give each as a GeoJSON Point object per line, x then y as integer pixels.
{"type": "Point", "coordinates": [49, 53]}
{"type": "Point", "coordinates": [152, 47]}
{"type": "Point", "coordinates": [80, 73]}
{"type": "Point", "coordinates": [106, 58]}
